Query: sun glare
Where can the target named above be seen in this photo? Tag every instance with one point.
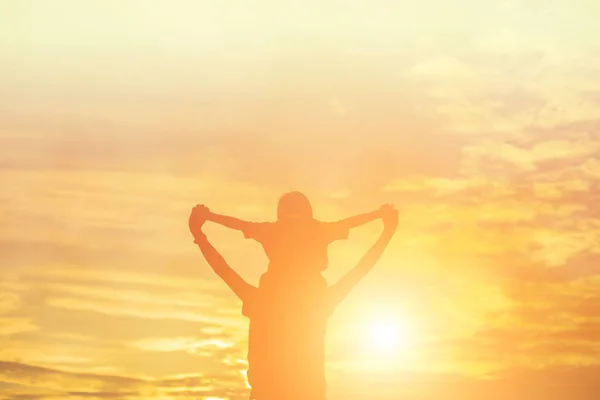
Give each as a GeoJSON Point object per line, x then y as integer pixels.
{"type": "Point", "coordinates": [388, 333]}
{"type": "Point", "coordinates": [384, 334]}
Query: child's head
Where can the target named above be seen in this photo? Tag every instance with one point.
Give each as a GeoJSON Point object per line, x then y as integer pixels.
{"type": "Point", "coordinates": [294, 205]}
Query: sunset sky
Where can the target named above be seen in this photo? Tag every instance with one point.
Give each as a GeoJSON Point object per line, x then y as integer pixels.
{"type": "Point", "coordinates": [479, 120]}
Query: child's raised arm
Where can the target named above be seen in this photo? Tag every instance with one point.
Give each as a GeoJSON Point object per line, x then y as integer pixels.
{"type": "Point", "coordinates": [341, 289]}
{"type": "Point", "coordinates": [251, 230]}
{"type": "Point", "coordinates": [358, 220]}
{"type": "Point", "coordinates": [229, 222]}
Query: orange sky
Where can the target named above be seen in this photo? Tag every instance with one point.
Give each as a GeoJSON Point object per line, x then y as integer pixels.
{"type": "Point", "coordinates": [480, 123]}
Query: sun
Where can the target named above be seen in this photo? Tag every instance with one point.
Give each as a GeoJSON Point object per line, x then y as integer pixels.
{"type": "Point", "coordinates": [388, 333]}
{"type": "Point", "coordinates": [384, 334]}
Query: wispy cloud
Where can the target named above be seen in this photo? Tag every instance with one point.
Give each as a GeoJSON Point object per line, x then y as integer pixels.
{"type": "Point", "coordinates": [53, 383]}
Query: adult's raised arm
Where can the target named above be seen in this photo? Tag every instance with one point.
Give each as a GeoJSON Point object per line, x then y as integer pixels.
{"type": "Point", "coordinates": [236, 283]}
{"type": "Point", "coordinates": [343, 287]}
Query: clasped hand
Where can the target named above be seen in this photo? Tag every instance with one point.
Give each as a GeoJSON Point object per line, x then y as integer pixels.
{"type": "Point", "coordinates": [197, 218]}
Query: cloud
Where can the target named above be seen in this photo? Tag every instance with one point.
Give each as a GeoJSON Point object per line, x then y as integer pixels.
{"type": "Point", "coordinates": [591, 167]}
{"type": "Point", "coordinates": [560, 189]}
{"type": "Point", "coordinates": [518, 383]}
{"type": "Point", "coordinates": [445, 68]}
{"type": "Point", "coordinates": [117, 309]}
{"type": "Point", "coordinates": [145, 295]}
{"type": "Point", "coordinates": [54, 383]}
{"type": "Point", "coordinates": [554, 248]}
{"type": "Point", "coordinates": [9, 301]}
{"type": "Point", "coordinates": [12, 325]}
{"type": "Point", "coordinates": [182, 300]}
{"type": "Point", "coordinates": [145, 280]}
{"type": "Point", "coordinates": [548, 324]}
{"type": "Point", "coordinates": [179, 344]}
{"type": "Point", "coordinates": [440, 186]}
{"type": "Point", "coordinates": [528, 159]}
{"type": "Point", "coordinates": [58, 380]}
{"type": "Point", "coordinates": [11, 322]}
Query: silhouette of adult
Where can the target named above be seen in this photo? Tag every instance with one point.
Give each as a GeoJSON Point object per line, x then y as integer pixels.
{"type": "Point", "coordinates": [288, 322]}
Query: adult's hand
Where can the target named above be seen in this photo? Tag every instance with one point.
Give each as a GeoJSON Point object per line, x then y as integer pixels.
{"type": "Point", "coordinates": [385, 209]}
{"type": "Point", "coordinates": [197, 218]}
{"type": "Point", "coordinates": [389, 215]}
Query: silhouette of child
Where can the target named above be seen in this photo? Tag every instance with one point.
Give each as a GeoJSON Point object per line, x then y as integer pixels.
{"type": "Point", "coordinates": [296, 243]}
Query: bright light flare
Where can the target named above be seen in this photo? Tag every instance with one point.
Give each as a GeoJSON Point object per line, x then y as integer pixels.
{"type": "Point", "coordinates": [384, 335]}
{"type": "Point", "coordinates": [389, 333]}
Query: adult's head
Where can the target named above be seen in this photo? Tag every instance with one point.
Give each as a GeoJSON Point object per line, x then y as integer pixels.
{"type": "Point", "coordinates": [294, 205]}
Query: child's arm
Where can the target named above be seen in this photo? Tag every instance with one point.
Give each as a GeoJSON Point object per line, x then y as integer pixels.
{"type": "Point", "coordinates": [251, 230]}
{"type": "Point", "coordinates": [358, 220]}
{"type": "Point", "coordinates": [341, 229]}
{"type": "Point", "coordinates": [229, 222]}
{"type": "Point", "coordinates": [341, 289]}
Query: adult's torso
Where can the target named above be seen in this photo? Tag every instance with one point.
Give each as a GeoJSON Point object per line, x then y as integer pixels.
{"type": "Point", "coordinates": [286, 352]}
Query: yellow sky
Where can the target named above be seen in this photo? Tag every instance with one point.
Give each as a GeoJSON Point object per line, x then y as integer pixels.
{"type": "Point", "coordinates": [479, 120]}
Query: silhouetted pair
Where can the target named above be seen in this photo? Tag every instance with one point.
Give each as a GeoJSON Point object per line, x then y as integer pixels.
{"type": "Point", "coordinates": [289, 310]}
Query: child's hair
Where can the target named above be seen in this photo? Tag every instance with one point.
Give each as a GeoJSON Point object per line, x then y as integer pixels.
{"type": "Point", "coordinates": [294, 205]}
